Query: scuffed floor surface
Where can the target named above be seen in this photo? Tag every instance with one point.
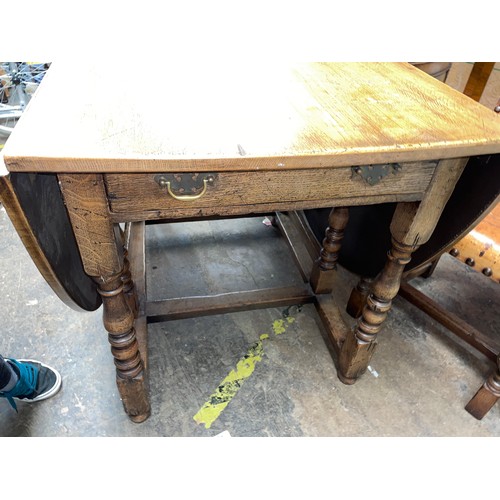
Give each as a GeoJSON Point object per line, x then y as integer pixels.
{"type": "Point", "coordinates": [420, 380]}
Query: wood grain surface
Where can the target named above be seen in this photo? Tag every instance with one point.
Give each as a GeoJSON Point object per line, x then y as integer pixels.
{"type": "Point", "coordinates": [245, 117]}
{"type": "Point", "coordinates": [140, 192]}
{"type": "Point", "coordinates": [97, 237]}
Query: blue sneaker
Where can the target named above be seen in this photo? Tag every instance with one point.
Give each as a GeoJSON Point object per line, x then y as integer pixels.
{"type": "Point", "coordinates": [37, 381]}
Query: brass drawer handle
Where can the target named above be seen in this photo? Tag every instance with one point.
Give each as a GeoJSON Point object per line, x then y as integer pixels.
{"type": "Point", "coordinates": [186, 197]}
{"type": "Point", "coordinates": [165, 182]}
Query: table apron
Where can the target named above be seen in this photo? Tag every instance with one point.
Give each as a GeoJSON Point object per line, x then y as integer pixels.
{"type": "Point", "coordinates": [142, 197]}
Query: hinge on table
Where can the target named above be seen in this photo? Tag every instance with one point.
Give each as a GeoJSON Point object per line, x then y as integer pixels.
{"type": "Point", "coordinates": [373, 174]}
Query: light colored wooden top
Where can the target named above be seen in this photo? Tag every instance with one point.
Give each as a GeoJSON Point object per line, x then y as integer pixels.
{"type": "Point", "coordinates": [243, 116]}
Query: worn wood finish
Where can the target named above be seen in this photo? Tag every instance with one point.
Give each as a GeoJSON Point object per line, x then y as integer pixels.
{"type": "Point", "coordinates": [323, 271]}
{"type": "Point", "coordinates": [480, 185]}
{"type": "Point", "coordinates": [474, 89]}
{"type": "Point", "coordinates": [128, 284]}
{"type": "Point", "coordinates": [97, 237]}
{"type": "Point", "coordinates": [414, 223]}
{"type": "Point", "coordinates": [248, 117]}
{"type": "Point", "coordinates": [305, 248]}
{"type": "Point", "coordinates": [101, 249]}
{"type": "Point", "coordinates": [274, 138]}
{"type": "Point", "coordinates": [365, 244]}
{"type": "Point", "coordinates": [192, 213]}
{"type": "Point", "coordinates": [137, 251]}
{"type": "Point", "coordinates": [294, 234]}
{"type": "Point", "coordinates": [360, 343]}
{"type": "Point", "coordinates": [118, 320]}
{"type": "Point", "coordinates": [335, 326]}
{"type": "Point", "coordinates": [223, 303]}
{"type": "Point", "coordinates": [487, 395]}
{"type": "Point", "coordinates": [307, 236]}
{"type": "Point", "coordinates": [359, 295]}
{"type": "Point", "coordinates": [141, 193]}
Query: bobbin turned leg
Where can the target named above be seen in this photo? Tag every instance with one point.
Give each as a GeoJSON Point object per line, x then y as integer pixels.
{"type": "Point", "coordinates": [118, 320]}
{"type": "Point", "coordinates": [360, 343]}
{"type": "Point", "coordinates": [323, 271]}
{"type": "Point", "coordinates": [486, 396]}
{"type": "Point", "coordinates": [412, 225]}
{"type": "Point", "coordinates": [101, 249]}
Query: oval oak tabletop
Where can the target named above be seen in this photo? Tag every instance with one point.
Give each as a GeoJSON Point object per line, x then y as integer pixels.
{"type": "Point", "coordinates": [245, 117]}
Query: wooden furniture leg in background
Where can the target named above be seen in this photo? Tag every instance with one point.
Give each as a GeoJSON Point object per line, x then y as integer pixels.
{"type": "Point", "coordinates": [478, 79]}
{"type": "Point", "coordinates": [486, 396]}
{"type": "Point", "coordinates": [358, 297]}
{"type": "Point", "coordinates": [323, 271]}
{"type": "Point", "coordinates": [489, 392]}
{"type": "Point", "coordinates": [101, 249]}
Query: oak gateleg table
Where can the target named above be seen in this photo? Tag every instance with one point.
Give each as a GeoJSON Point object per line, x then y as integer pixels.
{"type": "Point", "coordinates": [222, 140]}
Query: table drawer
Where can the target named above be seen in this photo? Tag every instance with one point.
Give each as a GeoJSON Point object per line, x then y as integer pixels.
{"type": "Point", "coordinates": [130, 193]}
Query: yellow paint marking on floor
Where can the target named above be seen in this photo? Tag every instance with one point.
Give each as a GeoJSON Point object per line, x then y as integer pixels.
{"type": "Point", "coordinates": [230, 386]}
{"type": "Point", "coordinates": [280, 325]}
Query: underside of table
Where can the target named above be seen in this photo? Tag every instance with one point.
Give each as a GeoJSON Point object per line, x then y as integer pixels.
{"type": "Point", "coordinates": [304, 248]}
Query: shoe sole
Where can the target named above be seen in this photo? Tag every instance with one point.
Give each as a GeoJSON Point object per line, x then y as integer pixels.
{"type": "Point", "coordinates": [52, 392]}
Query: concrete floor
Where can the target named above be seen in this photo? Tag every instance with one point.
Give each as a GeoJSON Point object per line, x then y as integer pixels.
{"type": "Point", "coordinates": [421, 377]}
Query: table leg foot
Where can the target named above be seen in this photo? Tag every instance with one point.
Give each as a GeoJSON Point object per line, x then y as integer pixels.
{"type": "Point", "coordinates": [344, 380]}
{"type": "Point", "coordinates": [355, 356]}
{"type": "Point", "coordinates": [139, 418]}
{"type": "Point", "coordinates": [486, 396]}
{"type": "Point", "coordinates": [481, 403]}
{"type": "Point", "coordinates": [134, 397]}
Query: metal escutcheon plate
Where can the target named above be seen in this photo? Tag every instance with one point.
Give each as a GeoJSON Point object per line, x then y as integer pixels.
{"type": "Point", "coordinates": [186, 186]}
